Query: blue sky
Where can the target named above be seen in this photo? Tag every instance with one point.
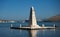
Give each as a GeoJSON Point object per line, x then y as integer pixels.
{"type": "Point", "coordinates": [20, 9]}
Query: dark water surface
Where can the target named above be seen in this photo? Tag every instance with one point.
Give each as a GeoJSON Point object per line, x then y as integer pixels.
{"type": "Point", "coordinates": [5, 30]}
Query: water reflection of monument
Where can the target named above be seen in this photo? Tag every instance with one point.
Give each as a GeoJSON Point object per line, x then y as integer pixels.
{"type": "Point", "coordinates": [42, 33]}
{"type": "Point", "coordinates": [33, 33]}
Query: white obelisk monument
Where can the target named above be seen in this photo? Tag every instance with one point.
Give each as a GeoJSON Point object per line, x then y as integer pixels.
{"type": "Point", "coordinates": [32, 22]}
{"type": "Point", "coordinates": [32, 19]}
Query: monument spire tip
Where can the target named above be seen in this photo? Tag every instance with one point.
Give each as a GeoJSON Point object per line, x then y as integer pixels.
{"type": "Point", "coordinates": [32, 7]}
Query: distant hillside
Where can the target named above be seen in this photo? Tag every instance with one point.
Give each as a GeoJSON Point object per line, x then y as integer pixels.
{"type": "Point", "coordinates": [54, 18]}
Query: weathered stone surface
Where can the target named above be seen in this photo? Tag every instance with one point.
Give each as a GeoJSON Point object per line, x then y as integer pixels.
{"type": "Point", "coordinates": [32, 18]}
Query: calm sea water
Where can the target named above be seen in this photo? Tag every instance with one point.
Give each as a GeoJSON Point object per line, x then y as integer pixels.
{"type": "Point", "coordinates": [5, 30]}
